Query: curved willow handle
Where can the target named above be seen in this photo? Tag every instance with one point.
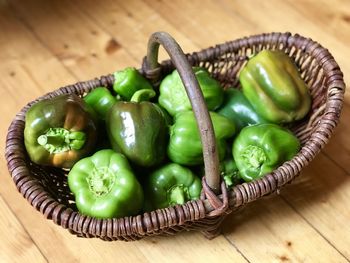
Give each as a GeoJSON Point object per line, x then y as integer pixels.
{"type": "Point", "coordinates": [194, 93]}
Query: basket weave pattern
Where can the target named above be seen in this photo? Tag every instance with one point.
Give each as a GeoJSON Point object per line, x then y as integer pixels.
{"type": "Point", "coordinates": [47, 191]}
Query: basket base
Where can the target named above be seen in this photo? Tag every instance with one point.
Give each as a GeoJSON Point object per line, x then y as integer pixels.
{"type": "Point", "coordinates": [214, 230]}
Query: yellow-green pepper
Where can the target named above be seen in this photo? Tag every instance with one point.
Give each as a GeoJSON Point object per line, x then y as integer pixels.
{"type": "Point", "coordinates": [173, 95]}
{"type": "Point", "coordinates": [273, 85]}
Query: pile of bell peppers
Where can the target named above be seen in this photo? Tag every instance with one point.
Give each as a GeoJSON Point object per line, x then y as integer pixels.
{"type": "Point", "coordinates": [133, 147]}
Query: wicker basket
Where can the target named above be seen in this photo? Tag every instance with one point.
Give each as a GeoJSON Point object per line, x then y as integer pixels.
{"type": "Point", "coordinates": [46, 188]}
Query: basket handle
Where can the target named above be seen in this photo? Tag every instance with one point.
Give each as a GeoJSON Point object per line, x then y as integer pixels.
{"type": "Point", "coordinates": [195, 95]}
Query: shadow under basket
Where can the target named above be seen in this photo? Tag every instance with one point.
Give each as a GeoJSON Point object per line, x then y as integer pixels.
{"type": "Point", "coordinates": [46, 188]}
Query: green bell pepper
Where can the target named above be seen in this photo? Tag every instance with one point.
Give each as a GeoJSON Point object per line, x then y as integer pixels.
{"type": "Point", "coordinates": [272, 84]}
{"type": "Point", "coordinates": [59, 131]}
{"type": "Point", "coordinates": [185, 146]}
{"type": "Point", "coordinates": [173, 95]}
{"type": "Point", "coordinates": [170, 185]}
{"type": "Point", "coordinates": [261, 148]}
{"type": "Point", "coordinates": [229, 172]}
{"type": "Point", "coordinates": [104, 186]}
{"type": "Point", "coordinates": [138, 129]}
{"type": "Point", "coordinates": [167, 117]}
{"type": "Point", "coordinates": [100, 100]}
{"type": "Point", "coordinates": [128, 81]}
{"type": "Point", "coordinates": [238, 109]}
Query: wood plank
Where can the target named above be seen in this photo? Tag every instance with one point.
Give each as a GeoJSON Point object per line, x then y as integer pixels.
{"type": "Point", "coordinates": [18, 245]}
{"type": "Point", "coordinates": [338, 148]}
{"type": "Point", "coordinates": [269, 230]}
{"type": "Point", "coordinates": [132, 23]}
{"type": "Point", "coordinates": [189, 247]}
{"type": "Point", "coordinates": [20, 66]}
{"type": "Point", "coordinates": [331, 16]}
{"type": "Point", "coordinates": [190, 15]}
{"type": "Point", "coordinates": [321, 196]}
{"type": "Point", "coordinates": [87, 52]}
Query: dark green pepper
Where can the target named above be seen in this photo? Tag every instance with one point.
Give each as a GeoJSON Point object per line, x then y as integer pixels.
{"type": "Point", "coordinates": [261, 148]}
{"type": "Point", "coordinates": [59, 131]}
{"type": "Point", "coordinates": [128, 81]}
{"type": "Point", "coordinates": [238, 109]}
{"type": "Point", "coordinates": [104, 186]}
{"type": "Point", "coordinates": [100, 100]}
{"type": "Point", "coordinates": [185, 146]}
{"type": "Point", "coordinates": [138, 129]}
{"type": "Point", "coordinates": [173, 95]}
{"type": "Point", "coordinates": [272, 84]}
{"type": "Point", "coordinates": [170, 185]}
{"type": "Point", "coordinates": [168, 118]}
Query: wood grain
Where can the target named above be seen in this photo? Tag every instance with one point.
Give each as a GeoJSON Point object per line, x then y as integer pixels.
{"type": "Point", "coordinates": [16, 244]}
{"type": "Point", "coordinates": [265, 242]}
{"type": "Point", "coordinates": [321, 199]}
{"type": "Point", "coordinates": [48, 44]}
{"type": "Point", "coordinates": [338, 149]}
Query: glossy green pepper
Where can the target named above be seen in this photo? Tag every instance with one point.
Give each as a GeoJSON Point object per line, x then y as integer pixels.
{"type": "Point", "coordinates": [104, 186]}
{"type": "Point", "coordinates": [59, 131]}
{"type": "Point", "coordinates": [238, 109]}
{"type": "Point", "coordinates": [272, 84]}
{"type": "Point", "coordinates": [128, 81]}
{"type": "Point", "coordinates": [100, 100]}
{"type": "Point", "coordinates": [138, 129]}
{"type": "Point", "coordinates": [173, 95]}
{"type": "Point", "coordinates": [170, 185]}
{"type": "Point", "coordinates": [261, 148]}
{"type": "Point", "coordinates": [185, 146]}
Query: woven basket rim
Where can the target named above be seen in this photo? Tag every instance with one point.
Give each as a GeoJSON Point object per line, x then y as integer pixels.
{"type": "Point", "coordinates": [238, 195]}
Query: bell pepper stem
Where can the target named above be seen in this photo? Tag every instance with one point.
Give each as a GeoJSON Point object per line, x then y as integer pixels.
{"type": "Point", "coordinates": [177, 195]}
{"type": "Point", "coordinates": [254, 156]}
{"type": "Point", "coordinates": [143, 95]}
{"type": "Point", "coordinates": [57, 140]}
{"type": "Point", "coordinates": [101, 181]}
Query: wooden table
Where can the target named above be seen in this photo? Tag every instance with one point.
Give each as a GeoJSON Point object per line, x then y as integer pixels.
{"type": "Point", "coordinates": [48, 44]}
